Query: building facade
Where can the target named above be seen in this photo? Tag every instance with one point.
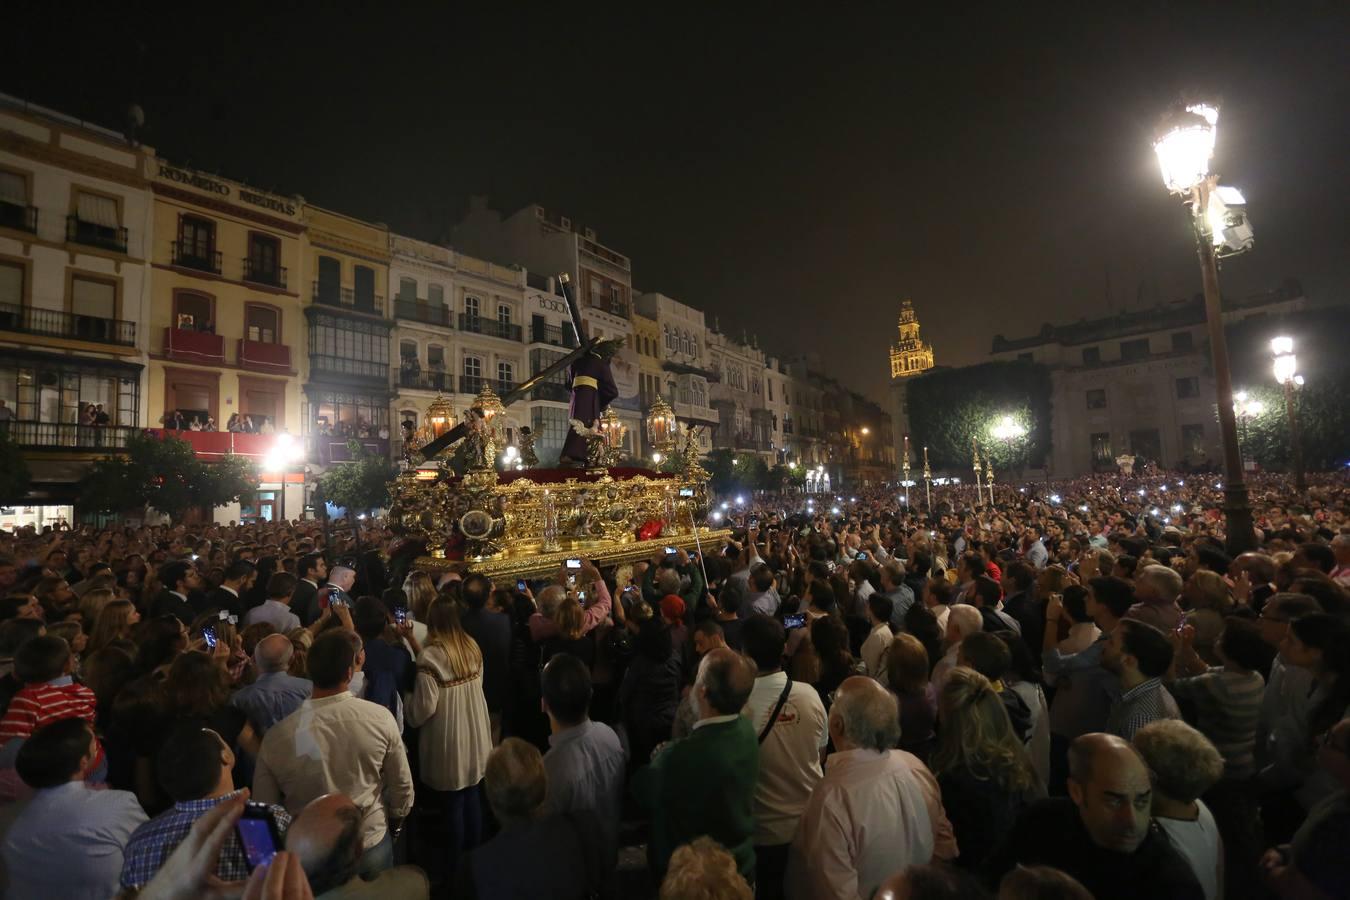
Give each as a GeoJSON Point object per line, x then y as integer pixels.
{"type": "Point", "coordinates": [685, 373]}
{"type": "Point", "coordinates": [737, 390]}
{"type": "Point", "coordinates": [348, 388]}
{"type": "Point", "coordinates": [75, 240]}
{"type": "Point", "coordinates": [910, 356]}
{"type": "Point", "coordinates": [1136, 383]}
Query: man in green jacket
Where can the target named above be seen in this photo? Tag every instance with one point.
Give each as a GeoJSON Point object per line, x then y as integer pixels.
{"type": "Point", "coordinates": [705, 784]}
{"type": "Point", "coordinates": [679, 575]}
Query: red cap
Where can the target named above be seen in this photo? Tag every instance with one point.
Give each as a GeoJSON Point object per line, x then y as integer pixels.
{"type": "Point", "coordinates": [672, 607]}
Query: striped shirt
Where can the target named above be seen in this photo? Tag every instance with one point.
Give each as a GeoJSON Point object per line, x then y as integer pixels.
{"type": "Point", "coordinates": [1146, 702]}
{"type": "Point", "coordinates": [37, 705]}
{"type": "Point", "coordinates": [1227, 707]}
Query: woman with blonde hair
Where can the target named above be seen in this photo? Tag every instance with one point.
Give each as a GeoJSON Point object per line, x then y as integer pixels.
{"type": "Point", "coordinates": [1206, 599]}
{"type": "Point", "coordinates": [571, 637]}
{"type": "Point", "coordinates": [421, 592]}
{"type": "Point", "coordinates": [92, 603]}
{"type": "Point", "coordinates": [449, 707]}
{"type": "Point", "coordinates": [981, 765]}
{"type": "Point", "coordinates": [113, 625]}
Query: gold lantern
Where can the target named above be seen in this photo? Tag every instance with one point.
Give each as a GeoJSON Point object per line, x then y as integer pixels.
{"type": "Point", "coordinates": [661, 425]}
{"type": "Point", "coordinates": [439, 417]}
{"type": "Point", "coordinates": [612, 431]}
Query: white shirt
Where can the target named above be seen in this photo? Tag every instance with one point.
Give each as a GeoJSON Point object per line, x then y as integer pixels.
{"type": "Point", "coordinates": [1082, 635]}
{"type": "Point", "coordinates": [1199, 843]}
{"type": "Point", "coordinates": [274, 613]}
{"type": "Point", "coordinates": [68, 843]}
{"type": "Point", "coordinates": [789, 758]}
{"type": "Point", "coordinates": [875, 646]}
{"type": "Point", "coordinates": [943, 670]}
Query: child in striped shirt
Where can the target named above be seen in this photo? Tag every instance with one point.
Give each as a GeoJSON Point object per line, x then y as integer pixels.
{"type": "Point", "coordinates": [49, 694]}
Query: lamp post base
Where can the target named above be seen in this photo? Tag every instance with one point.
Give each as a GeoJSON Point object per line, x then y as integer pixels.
{"type": "Point", "coordinates": [1237, 512]}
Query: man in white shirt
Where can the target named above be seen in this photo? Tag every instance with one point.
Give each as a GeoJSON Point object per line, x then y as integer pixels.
{"type": "Point", "coordinates": [961, 621]}
{"type": "Point", "coordinates": [336, 742]}
{"type": "Point", "coordinates": [276, 609]}
{"type": "Point", "coordinates": [876, 811]}
{"type": "Point", "coordinates": [878, 640]}
{"type": "Point", "coordinates": [69, 840]}
{"type": "Point", "coordinates": [789, 750]}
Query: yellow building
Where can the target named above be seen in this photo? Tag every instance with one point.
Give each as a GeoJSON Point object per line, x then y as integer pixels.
{"type": "Point", "coordinates": [226, 328]}
{"type": "Point", "coordinates": [348, 392]}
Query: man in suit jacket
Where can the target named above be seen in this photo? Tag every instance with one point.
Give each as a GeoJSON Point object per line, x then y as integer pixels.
{"type": "Point", "coordinates": [239, 577]}
{"type": "Point", "coordinates": [705, 783]}
{"type": "Point", "coordinates": [312, 571]}
{"type": "Point", "coordinates": [334, 593]}
{"type": "Point", "coordinates": [179, 578]}
{"type": "Point", "coordinates": [491, 631]}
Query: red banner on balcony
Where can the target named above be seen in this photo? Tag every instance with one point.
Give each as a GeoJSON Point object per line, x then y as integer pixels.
{"type": "Point", "coordinates": [194, 346]}
{"type": "Point", "coordinates": [264, 357]}
{"type": "Point", "coordinates": [215, 444]}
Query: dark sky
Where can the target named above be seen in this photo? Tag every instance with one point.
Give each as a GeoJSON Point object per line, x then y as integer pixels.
{"type": "Point", "coordinates": [795, 175]}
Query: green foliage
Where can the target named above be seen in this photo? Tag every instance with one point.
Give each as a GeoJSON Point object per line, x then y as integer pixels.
{"type": "Point", "coordinates": [751, 472]}
{"type": "Point", "coordinates": [720, 465]}
{"type": "Point", "coordinates": [14, 477]}
{"type": "Point", "coordinates": [949, 407]}
{"type": "Point", "coordinates": [163, 473]}
{"type": "Point", "coordinates": [361, 485]}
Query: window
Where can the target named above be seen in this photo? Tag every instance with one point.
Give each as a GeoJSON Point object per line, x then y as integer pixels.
{"type": "Point", "coordinates": [1136, 349]}
{"type": "Point", "coordinates": [473, 367]}
{"type": "Point", "coordinates": [665, 332]}
{"type": "Point", "coordinates": [693, 347]}
{"type": "Point", "coordinates": [407, 290]}
{"type": "Point", "coordinates": [1092, 356]}
{"type": "Point", "coordinates": [1188, 388]}
{"type": "Point", "coordinates": [96, 209]}
{"type": "Point", "coordinates": [1193, 440]}
{"type": "Point", "coordinates": [503, 314]}
{"type": "Point", "coordinates": [1146, 443]}
{"type": "Point", "coordinates": [1182, 341]}
{"type": "Point", "coordinates": [364, 282]}
{"type": "Point", "coordinates": [506, 373]}
{"type": "Point", "coordinates": [1096, 399]}
{"type": "Point", "coordinates": [14, 202]}
{"type": "Point", "coordinates": [328, 288]}
{"type": "Point", "coordinates": [435, 295]}
{"type": "Point", "coordinates": [56, 391]}
{"type": "Point", "coordinates": [11, 284]}
{"type": "Point", "coordinates": [1101, 447]}
{"type": "Point", "coordinates": [92, 297]}
{"type": "Point", "coordinates": [768, 386]}
{"type": "Point", "coordinates": [471, 305]}
{"type": "Point", "coordinates": [436, 357]}
{"type": "Point", "coordinates": [550, 429]}
{"type": "Point", "coordinates": [196, 242]}
{"type": "Point", "coordinates": [193, 311]}
{"type": "Point", "coordinates": [262, 324]}
{"type": "Point", "coordinates": [264, 259]}
{"type": "Point", "coordinates": [407, 352]}
{"type": "Point", "coordinates": [350, 347]}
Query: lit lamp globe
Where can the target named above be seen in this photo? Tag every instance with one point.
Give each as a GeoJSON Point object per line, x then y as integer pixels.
{"type": "Point", "coordinates": [439, 417]}
{"type": "Point", "coordinates": [661, 427]}
{"type": "Point", "coordinates": [612, 430]}
{"type": "Point", "coordinates": [491, 406]}
{"type": "Point", "coordinates": [1185, 145]}
{"type": "Point", "coordinates": [1286, 363]}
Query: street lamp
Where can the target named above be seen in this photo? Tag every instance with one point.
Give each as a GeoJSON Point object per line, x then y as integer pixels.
{"type": "Point", "coordinates": [1184, 146]}
{"type": "Point", "coordinates": [1246, 408]}
{"type": "Point", "coordinates": [1286, 373]}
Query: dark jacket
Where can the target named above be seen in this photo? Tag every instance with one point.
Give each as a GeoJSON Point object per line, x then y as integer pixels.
{"type": "Point", "coordinates": [1030, 614]}
{"type": "Point", "coordinates": [167, 603]}
{"type": "Point", "coordinates": [220, 599]}
{"type": "Point", "coordinates": [981, 813]}
{"type": "Point", "coordinates": [559, 856]}
{"type": "Point", "coordinates": [305, 603]}
{"type": "Point", "coordinates": [1050, 833]}
{"type": "Point", "coordinates": [389, 672]}
{"type": "Point", "coordinates": [492, 632]}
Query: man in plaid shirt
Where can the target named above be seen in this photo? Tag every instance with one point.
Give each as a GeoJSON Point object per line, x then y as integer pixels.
{"type": "Point", "coordinates": [195, 767]}
{"type": "Point", "coordinates": [1140, 655]}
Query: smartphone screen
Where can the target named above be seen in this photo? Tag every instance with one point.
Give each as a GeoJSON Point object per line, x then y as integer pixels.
{"type": "Point", "coordinates": [400, 614]}
{"type": "Point", "coordinates": [794, 621]}
{"type": "Point", "coordinates": [574, 564]}
{"type": "Point", "coordinates": [209, 635]}
{"type": "Point", "coordinates": [670, 551]}
{"type": "Point", "coordinates": [686, 492]}
{"type": "Point", "coordinates": [520, 585]}
{"type": "Point", "coordinates": [257, 835]}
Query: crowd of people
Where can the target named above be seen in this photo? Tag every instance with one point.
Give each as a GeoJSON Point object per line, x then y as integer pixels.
{"type": "Point", "coordinates": [1073, 691]}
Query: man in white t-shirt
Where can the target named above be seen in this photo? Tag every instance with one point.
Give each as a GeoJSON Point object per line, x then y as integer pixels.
{"type": "Point", "coordinates": [1185, 764]}
{"type": "Point", "coordinates": [879, 638]}
{"type": "Point", "coordinates": [793, 730]}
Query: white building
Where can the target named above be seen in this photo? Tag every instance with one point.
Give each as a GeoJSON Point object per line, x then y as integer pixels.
{"type": "Point", "coordinates": [745, 423]}
{"type": "Point", "coordinates": [602, 279]}
{"type": "Point", "coordinates": [75, 227]}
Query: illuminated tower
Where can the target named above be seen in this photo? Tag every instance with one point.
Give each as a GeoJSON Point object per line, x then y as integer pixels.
{"type": "Point", "coordinates": [910, 356]}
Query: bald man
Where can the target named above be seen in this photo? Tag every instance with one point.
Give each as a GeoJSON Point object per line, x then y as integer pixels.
{"type": "Point", "coordinates": [326, 837]}
{"type": "Point", "coordinates": [705, 783]}
{"type": "Point", "coordinates": [876, 811]}
{"type": "Point", "coordinates": [276, 694]}
{"type": "Point", "coordinates": [1105, 835]}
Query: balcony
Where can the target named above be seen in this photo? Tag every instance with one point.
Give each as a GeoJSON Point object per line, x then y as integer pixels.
{"type": "Point", "coordinates": [346, 298]}
{"type": "Point", "coordinates": [61, 324]}
{"type": "Point", "coordinates": [257, 273]}
{"type": "Point", "coordinates": [215, 444]}
{"type": "Point", "coordinates": [194, 346]}
{"type": "Point", "coordinates": [472, 384]}
{"type": "Point", "coordinates": [554, 335]}
{"type": "Point", "coordinates": [442, 382]}
{"type": "Point", "coordinates": [551, 390]}
{"type": "Point", "coordinates": [105, 237]}
{"type": "Point", "coordinates": [696, 412]}
{"type": "Point", "coordinates": [188, 257]}
{"type": "Point", "coordinates": [332, 448]}
{"type": "Point", "coordinates": [264, 357]}
{"type": "Point", "coordinates": [490, 327]}
{"type": "Point", "coordinates": [18, 217]}
{"type": "Point", "coordinates": [420, 311]}
{"type": "Point", "coordinates": [349, 369]}
{"type": "Point", "coordinates": [67, 436]}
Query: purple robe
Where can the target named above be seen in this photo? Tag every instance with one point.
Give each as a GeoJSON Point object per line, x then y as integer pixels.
{"type": "Point", "coordinates": [593, 389]}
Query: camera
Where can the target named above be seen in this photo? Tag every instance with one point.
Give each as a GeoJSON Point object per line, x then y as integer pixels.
{"type": "Point", "coordinates": [794, 621]}
{"type": "Point", "coordinates": [258, 834]}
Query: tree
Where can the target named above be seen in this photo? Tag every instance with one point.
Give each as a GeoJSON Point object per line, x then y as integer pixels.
{"type": "Point", "coordinates": [751, 473]}
{"type": "Point", "coordinates": [361, 485]}
{"type": "Point", "coordinates": [949, 407]}
{"type": "Point", "coordinates": [14, 477]}
{"type": "Point", "coordinates": [163, 473]}
{"type": "Point", "coordinates": [720, 464]}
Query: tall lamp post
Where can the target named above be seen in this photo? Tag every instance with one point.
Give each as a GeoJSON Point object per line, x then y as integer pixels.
{"type": "Point", "coordinates": [1246, 409]}
{"type": "Point", "coordinates": [1007, 430]}
{"type": "Point", "coordinates": [1184, 146]}
{"type": "Point", "coordinates": [1286, 373]}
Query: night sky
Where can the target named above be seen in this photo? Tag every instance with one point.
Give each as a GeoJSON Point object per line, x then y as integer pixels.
{"type": "Point", "coordinates": [794, 175]}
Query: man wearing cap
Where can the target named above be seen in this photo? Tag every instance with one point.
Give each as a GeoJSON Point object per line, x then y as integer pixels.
{"type": "Point", "coordinates": [672, 610]}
